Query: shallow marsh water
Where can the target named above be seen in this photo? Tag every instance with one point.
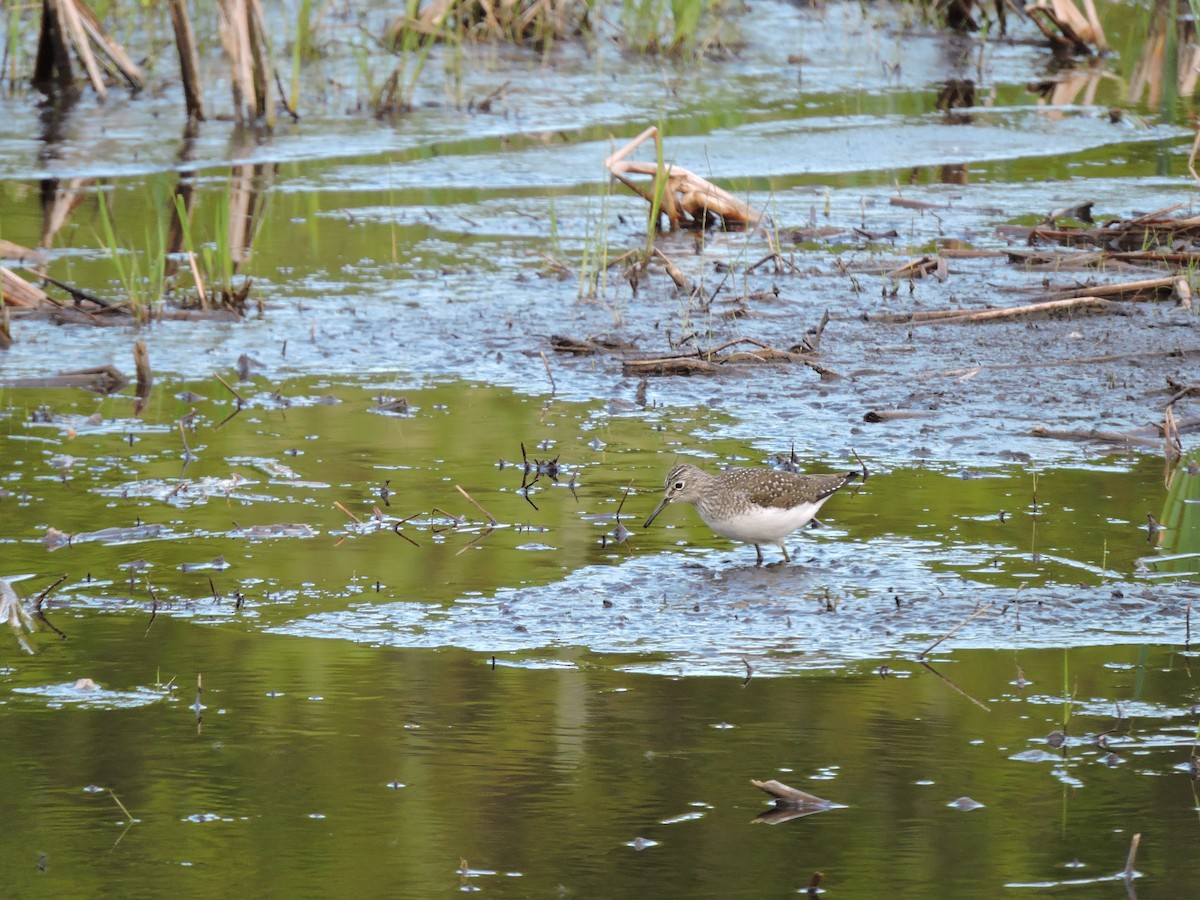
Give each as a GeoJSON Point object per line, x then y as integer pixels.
{"type": "Point", "coordinates": [326, 768]}
{"type": "Point", "coordinates": [532, 700]}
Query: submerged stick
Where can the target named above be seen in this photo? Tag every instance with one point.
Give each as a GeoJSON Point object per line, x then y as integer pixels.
{"type": "Point", "coordinates": [492, 520]}
{"type": "Point", "coordinates": [229, 387]}
{"type": "Point", "coordinates": [347, 512]}
{"type": "Point", "coordinates": [145, 377]}
{"type": "Point", "coordinates": [954, 686]}
{"type": "Point", "coordinates": [1129, 860]}
{"type": "Point", "coordinates": [549, 374]}
{"type": "Point", "coordinates": [40, 613]}
{"type": "Point", "coordinates": [949, 633]}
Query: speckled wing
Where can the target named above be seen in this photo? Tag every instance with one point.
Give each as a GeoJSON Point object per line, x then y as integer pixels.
{"type": "Point", "coordinates": [784, 490]}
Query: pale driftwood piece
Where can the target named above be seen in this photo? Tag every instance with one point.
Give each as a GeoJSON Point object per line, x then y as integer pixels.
{"type": "Point", "coordinates": [189, 60]}
{"type": "Point", "coordinates": [20, 254]}
{"type": "Point", "coordinates": [16, 291]}
{"type": "Point", "coordinates": [1101, 437]}
{"type": "Point", "coordinates": [686, 195]}
{"type": "Point", "coordinates": [1127, 289]}
{"type": "Point", "coordinates": [786, 795]}
{"type": "Point", "coordinates": [959, 316]}
{"type": "Point", "coordinates": [1029, 310]}
{"type": "Point", "coordinates": [790, 803]}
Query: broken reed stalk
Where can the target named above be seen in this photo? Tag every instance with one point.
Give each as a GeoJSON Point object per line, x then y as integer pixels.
{"type": "Point", "coordinates": [974, 615]}
{"type": "Point", "coordinates": [1132, 857]}
{"type": "Point", "coordinates": [549, 374]}
{"type": "Point", "coordinates": [954, 686]}
{"type": "Point", "coordinates": [153, 606]}
{"type": "Point", "coordinates": [1129, 289]}
{"type": "Point", "coordinates": [347, 512]}
{"type": "Point", "coordinates": [229, 387]}
{"type": "Point", "coordinates": [71, 23]}
{"type": "Point", "coordinates": [492, 520]}
{"type": "Point", "coordinates": [70, 17]}
{"type": "Point", "coordinates": [189, 62]}
{"type": "Point", "coordinates": [40, 613]}
{"type": "Point", "coordinates": [120, 805]}
{"type": "Point", "coordinates": [187, 451]}
{"type": "Point", "coordinates": [1187, 635]}
{"type": "Point", "coordinates": [959, 316]}
{"type": "Point", "coordinates": [145, 377]}
{"type": "Point", "coordinates": [243, 35]}
{"type": "Point", "coordinates": [116, 54]}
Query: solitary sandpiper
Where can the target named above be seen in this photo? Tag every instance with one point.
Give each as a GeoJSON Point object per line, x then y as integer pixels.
{"type": "Point", "coordinates": [758, 506]}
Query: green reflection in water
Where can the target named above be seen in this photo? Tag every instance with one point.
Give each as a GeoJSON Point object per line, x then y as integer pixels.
{"type": "Point", "coordinates": [322, 768]}
{"type": "Point", "coordinates": [1179, 541]}
{"type": "Point", "coordinates": [264, 489]}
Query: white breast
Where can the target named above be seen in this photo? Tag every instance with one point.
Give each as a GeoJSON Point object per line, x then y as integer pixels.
{"type": "Point", "coordinates": [763, 524]}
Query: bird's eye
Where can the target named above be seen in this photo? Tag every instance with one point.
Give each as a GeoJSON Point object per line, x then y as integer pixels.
{"type": "Point", "coordinates": [679, 485]}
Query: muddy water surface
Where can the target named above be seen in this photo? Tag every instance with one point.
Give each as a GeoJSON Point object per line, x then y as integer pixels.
{"type": "Point", "coordinates": [408, 694]}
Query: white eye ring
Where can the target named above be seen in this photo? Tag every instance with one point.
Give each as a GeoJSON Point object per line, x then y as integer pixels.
{"type": "Point", "coordinates": [679, 485]}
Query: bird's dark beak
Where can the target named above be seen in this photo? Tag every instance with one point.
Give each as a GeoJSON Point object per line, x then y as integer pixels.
{"type": "Point", "coordinates": [661, 506]}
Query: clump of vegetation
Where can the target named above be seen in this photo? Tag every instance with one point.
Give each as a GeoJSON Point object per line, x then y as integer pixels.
{"type": "Point", "coordinates": [677, 27]}
{"type": "Point", "coordinates": [528, 22]}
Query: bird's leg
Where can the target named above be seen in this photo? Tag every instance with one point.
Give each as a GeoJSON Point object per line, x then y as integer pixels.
{"type": "Point", "coordinates": [758, 550]}
{"type": "Point", "coordinates": [783, 547]}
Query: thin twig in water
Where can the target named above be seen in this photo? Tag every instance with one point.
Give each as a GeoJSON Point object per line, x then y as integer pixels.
{"type": "Point", "coordinates": [117, 800]}
{"type": "Point", "coordinates": [549, 374]}
{"type": "Point", "coordinates": [865, 473]}
{"type": "Point", "coordinates": [1129, 860]}
{"type": "Point", "coordinates": [457, 519]}
{"type": "Point", "coordinates": [492, 520]}
{"type": "Point", "coordinates": [347, 512]}
{"type": "Point", "coordinates": [954, 686]}
{"type": "Point", "coordinates": [229, 387]}
{"type": "Point", "coordinates": [475, 540]}
{"type": "Point", "coordinates": [187, 451]}
{"type": "Point", "coordinates": [973, 615]}
{"type": "Point", "coordinates": [37, 608]}
{"type": "Point", "coordinates": [153, 606]}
